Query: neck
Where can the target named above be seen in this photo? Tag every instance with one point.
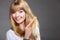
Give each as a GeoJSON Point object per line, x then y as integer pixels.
{"type": "Point", "coordinates": [21, 29]}
{"type": "Point", "coordinates": [22, 26]}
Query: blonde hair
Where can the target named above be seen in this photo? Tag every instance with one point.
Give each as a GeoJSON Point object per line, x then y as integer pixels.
{"type": "Point", "coordinates": [22, 4]}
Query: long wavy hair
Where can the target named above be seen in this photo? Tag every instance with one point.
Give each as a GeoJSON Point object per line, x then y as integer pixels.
{"type": "Point", "coordinates": [22, 4]}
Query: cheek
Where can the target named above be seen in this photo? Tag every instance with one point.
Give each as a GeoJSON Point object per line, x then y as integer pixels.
{"type": "Point", "coordinates": [13, 16]}
{"type": "Point", "coordinates": [23, 15]}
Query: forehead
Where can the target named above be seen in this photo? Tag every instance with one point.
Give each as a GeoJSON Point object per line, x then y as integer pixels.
{"type": "Point", "coordinates": [16, 8]}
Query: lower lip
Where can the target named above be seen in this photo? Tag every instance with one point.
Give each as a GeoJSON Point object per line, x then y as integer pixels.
{"type": "Point", "coordinates": [18, 19]}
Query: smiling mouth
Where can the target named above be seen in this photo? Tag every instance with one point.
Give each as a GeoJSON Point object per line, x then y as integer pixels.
{"type": "Point", "coordinates": [18, 18]}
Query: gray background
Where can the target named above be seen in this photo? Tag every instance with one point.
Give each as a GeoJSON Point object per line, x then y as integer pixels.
{"type": "Point", "coordinates": [47, 12]}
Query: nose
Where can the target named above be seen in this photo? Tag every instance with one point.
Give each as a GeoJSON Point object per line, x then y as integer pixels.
{"type": "Point", "coordinates": [17, 14]}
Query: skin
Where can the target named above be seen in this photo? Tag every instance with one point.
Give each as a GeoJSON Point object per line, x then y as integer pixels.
{"type": "Point", "coordinates": [19, 17]}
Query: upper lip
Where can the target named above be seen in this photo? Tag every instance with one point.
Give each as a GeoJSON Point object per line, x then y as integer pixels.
{"type": "Point", "coordinates": [17, 18]}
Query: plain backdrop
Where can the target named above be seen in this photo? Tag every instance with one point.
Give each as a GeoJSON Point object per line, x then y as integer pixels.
{"type": "Point", "coordinates": [47, 12]}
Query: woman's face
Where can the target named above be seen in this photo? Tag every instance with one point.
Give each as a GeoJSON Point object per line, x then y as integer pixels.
{"type": "Point", "coordinates": [19, 16]}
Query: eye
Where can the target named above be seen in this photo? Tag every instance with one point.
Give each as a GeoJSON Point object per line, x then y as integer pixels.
{"type": "Point", "coordinates": [21, 11]}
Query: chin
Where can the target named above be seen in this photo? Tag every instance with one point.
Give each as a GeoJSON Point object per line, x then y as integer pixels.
{"type": "Point", "coordinates": [19, 22]}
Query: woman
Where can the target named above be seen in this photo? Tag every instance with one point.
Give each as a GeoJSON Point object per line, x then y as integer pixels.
{"type": "Point", "coordinates": [24, 24]}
